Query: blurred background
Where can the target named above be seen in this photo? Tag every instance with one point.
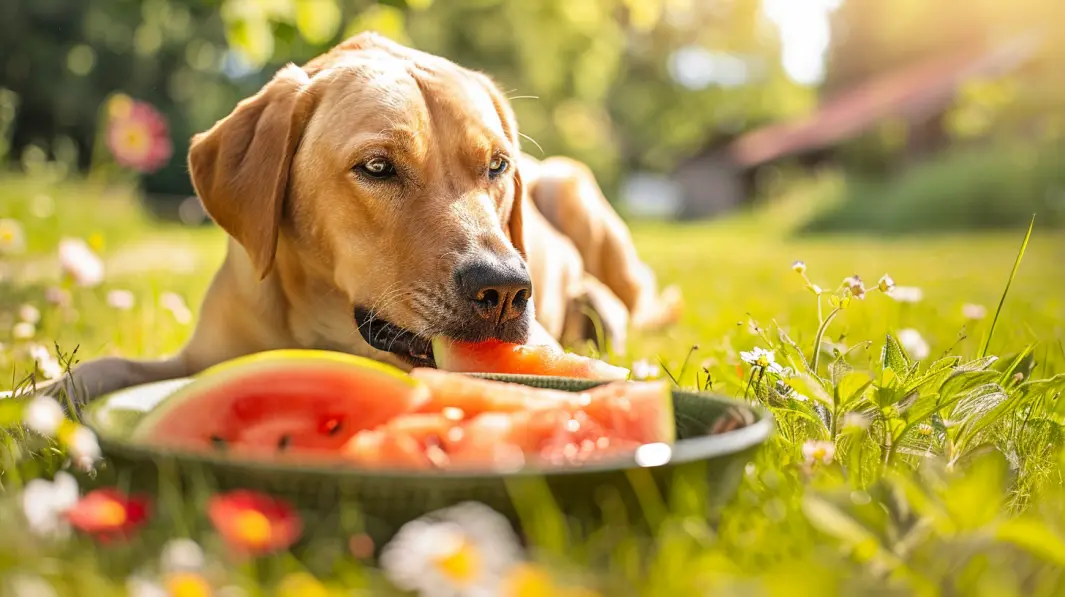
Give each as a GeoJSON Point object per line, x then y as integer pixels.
{"type": "Point", "coordinates": [889, 117]}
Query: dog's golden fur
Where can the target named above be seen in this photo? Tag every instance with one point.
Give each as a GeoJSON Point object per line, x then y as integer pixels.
{"type": "Point", "coordinates": [309, 240]}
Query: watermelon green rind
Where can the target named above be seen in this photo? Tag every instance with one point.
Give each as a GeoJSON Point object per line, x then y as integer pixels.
{"type": "Point", "coordinates": [247, 366]}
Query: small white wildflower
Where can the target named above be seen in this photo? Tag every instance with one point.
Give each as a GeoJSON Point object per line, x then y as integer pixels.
{"type": "Point", "coordinates": [856, 286]}
{"type": "Point", "coordinates": [181, 555]}
{"type": "Point", "coordinates": [463, 550]}
{"type": "Point", "coordinates": [973, 311]}
{"type": "Point", "coordinates": [766, 359]}
{"type": "Point", "coordinates": [24, 330]}
{"type": "Point", "coordinates": [886, 283]}
{"type": "Point", "coordinates": [123, 300]}
{"type": "Point", "coordinates": [799, 267]}
{"type": "Point", "coordinates": [925, 429]}
{"type": "Point", "coordinates": [78, 261]}
{"type": "Point", "coordinates": [914, 343]}
{"type": "Point", "coordinates": [907, 294]}
{"type": "Point", "coordinates": [45, 502]}
{"type": "Point", "coordinates": [29, 314]}
{"type": "Point", "coordinates": [12, 237]}
{"type": "Point", "coordinates": [644, 369]}
{"type": "Point", "coordinates": [84, 448]}
{"type": "Point", "coordinates": [43, 415]}
{"type": "Point", "coordinates": [816, 450]}
{"type": "Point", "coordinates": [45, 362]}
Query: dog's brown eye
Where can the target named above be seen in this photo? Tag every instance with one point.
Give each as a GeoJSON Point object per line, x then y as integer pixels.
{"type": "Point", "coordinates": [497, 166]}
{"type": "Point", "coordinates": [377, 168]}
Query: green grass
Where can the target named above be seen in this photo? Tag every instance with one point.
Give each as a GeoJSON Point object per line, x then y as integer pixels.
{"type": "Point", "coordinates": [953, 488]}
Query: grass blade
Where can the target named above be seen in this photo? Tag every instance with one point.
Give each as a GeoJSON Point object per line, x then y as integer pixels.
{"type": "Point", "coordinates": [1013, 274]}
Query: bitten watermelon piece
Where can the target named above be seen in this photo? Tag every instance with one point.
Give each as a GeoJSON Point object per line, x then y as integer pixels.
{"type": "Point", "coordinates": [285, 401]}
{"type": "Point", "coordinates": [520, 359]}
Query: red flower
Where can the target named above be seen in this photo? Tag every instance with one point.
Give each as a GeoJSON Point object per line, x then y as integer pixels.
{"type": "Point", "coordinates": [108, 514]}
{"type": "Point", "coordinates": [254, 523]}
{"type": "Point", "coordinates": [138, 137]}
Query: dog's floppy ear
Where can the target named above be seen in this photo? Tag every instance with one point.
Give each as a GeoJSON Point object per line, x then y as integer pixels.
{"type": "Point", "coordinates": [515, 228]}
{"type": "Point", "coordinates": [240, 167]}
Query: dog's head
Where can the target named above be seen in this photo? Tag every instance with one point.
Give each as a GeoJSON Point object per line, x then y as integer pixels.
{"type": "Point", "coordinates": [391, 175]}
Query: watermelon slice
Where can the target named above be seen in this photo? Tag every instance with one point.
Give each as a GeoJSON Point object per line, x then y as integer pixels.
{"type": "Point", "coordinates": [520, 359]}
{"type": "Point", "coordinates": [472, 423]}
{"type": "Point", "coordinates": [285, 401]}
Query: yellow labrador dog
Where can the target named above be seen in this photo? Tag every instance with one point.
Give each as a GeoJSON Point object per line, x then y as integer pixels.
{"type": "Point", "coordinates": [376, 198]}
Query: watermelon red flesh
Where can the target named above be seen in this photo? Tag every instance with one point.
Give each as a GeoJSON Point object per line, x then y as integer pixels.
{"type": "Point", "coordinates": [520, 359]}
{"type": "Point", "coordinates": [641, 411]}
{"type": "Point", "coordinates": [268, 407]}
{"type": "Point", "coordinates": [513, 424]}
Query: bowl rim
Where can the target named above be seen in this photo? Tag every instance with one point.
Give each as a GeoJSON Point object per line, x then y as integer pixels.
{"type": "Point", "coordinates": [682, 451]}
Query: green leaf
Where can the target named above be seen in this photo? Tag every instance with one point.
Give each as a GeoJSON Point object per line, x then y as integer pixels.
{"type": "Point", "coordinates": [852, 388]}
{"type": "Point", "coordinates": [1006, 291]}
{"type": "Point", "coordinates": [894, 357]}
{"type": "Point", "coordinates": [1034, 537]}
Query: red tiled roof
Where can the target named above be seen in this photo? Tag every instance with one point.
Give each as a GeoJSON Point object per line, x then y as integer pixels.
{"type": "Point", "coordinates": [911, 91]}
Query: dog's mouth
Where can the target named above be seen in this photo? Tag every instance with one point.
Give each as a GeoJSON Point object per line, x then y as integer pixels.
{"type": "Point", "coordinates": [389, 337]}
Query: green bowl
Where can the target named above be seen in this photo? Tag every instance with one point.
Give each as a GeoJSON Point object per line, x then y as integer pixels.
{"type": "Point", "coordinates": [717, 437]}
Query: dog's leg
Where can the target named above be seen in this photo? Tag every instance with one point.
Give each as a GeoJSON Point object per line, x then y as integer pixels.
{"type": "Point", "coordinates": [568, 196]}
{"type": "Point", "coordinates": [597, 314]}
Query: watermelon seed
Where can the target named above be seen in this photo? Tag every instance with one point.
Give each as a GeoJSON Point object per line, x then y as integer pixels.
{"type": "Point", "coordinates": [333, 427]}
{"type": "Point", "coordinates": [218, 442]}
{"type": "Point", "coordinates": [284, 442]}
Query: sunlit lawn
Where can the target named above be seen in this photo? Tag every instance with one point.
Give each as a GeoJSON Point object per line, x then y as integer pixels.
{"type": "Point", "coordinates": [737, 281]}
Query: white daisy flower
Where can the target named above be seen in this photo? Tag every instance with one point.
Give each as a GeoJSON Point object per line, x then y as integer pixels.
{"type": "Point", "coordinates": [766, 359]}
{"type": "Point", "coordinates": [46, 363]}
{"type": "Point", "coordinates": [12, 237]}
{"type": "Point", "coordinates": [29, 314]}
{"type": "Point", "coordinates": [462, 551]}
{"type": "Point", "coordinates": [644, 369]}
{"type": "Point", "coordinates": [43, 415]}
{"type": "Point", "coordinates": [973, 311]}
{"type": "Point", "coordinates": [84, 449]}
{"type": "Point", "coordinates": [906, 294]}
{"type": "Point", "coordinates": [45, 502]}
{"type": "Point", "coordinates": [23, 330]}
{"type": "Point", "coordinates": [914, 343]}
{"type": "Point", "coordinates": [78, 261]}
{"type": "Point", "coordinates": [123, 300]}
{"type": "Point", "coordinates": [886, 283]}
{"type": "Point", "coordinates": [816, 450]}
{"type": "Point", "coordinates": [181, 555]}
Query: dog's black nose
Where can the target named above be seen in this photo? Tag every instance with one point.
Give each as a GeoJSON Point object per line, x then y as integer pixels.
{"type": "Point", "coordinates": [499, 289]}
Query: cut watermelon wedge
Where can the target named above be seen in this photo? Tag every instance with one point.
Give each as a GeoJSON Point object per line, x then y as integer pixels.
{"type": "Point", "coordinates": [280, 402]}
{"type": "Point", "coordinates": [520, 359]}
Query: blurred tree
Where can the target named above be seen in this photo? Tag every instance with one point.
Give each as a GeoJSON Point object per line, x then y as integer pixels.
{"type": "Point", "coordinates": [619, 84]}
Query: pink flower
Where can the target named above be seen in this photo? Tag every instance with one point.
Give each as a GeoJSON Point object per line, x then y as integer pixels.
{"type": "Point", "coordinates": [139, 137]}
